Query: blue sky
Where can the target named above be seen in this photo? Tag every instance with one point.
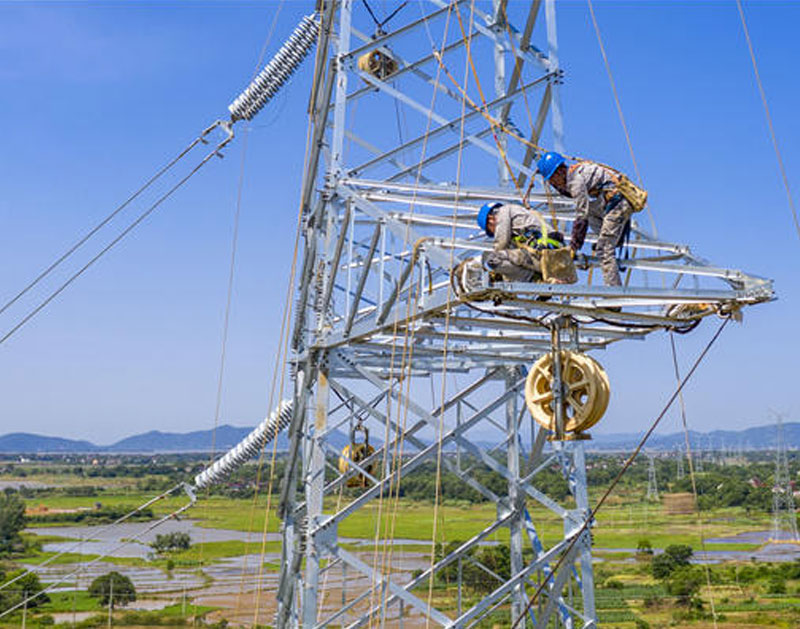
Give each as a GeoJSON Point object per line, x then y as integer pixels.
{"type": "Point", "coordinates": [95, 97]}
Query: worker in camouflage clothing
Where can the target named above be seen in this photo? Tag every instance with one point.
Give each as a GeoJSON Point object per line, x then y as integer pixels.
{"type": "Point", "coordinates": [511, 226]}
{"type": "Point", "coordinates": [598, 204]}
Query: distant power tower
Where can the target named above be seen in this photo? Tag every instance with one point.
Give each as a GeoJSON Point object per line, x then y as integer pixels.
{"type": "Point", "coordinates": [681, 472]}
{"type": "Point", "coordinates": [652, 485]}
{"type": "Point", "coordinates": [784, 515]}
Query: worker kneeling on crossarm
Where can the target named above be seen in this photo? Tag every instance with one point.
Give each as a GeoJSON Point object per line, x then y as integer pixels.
{"type": "Point", "coordinates": [518, 242]}
{"type": "Point", "coordinates": [604, 199]}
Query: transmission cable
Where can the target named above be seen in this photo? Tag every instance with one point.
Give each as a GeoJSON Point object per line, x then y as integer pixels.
{"type": "Point", "coordinates": [52, 267]}
{"type": "Point", "coordinates": [768, 116]}
{"type": "Point", "coordinates": [591, 516]}
{"type": "Point", "coordinates": [117, 239]}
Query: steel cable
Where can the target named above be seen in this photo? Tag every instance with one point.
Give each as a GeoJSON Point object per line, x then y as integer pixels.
{"type": "Point", "coordinates": [57, 262]}
{"type": "Point", "coordinates": [116, 240]}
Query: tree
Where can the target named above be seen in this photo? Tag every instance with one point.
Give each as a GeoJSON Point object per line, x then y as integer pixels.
{"type": "Point", "coordinates": [644, 549]}
{"type": "Point", "coordinates": [674, 556]}
{"type": "Point", "coordinates": [115, 587]}
{"type": "Point", "coordinates": [12, 521]}
{"type": "Point", "coordinates": [24, 587]}
{"type": "Point", "coordinates": [171, 542]}
{"type": "Point", "coordinates": [684, 583]}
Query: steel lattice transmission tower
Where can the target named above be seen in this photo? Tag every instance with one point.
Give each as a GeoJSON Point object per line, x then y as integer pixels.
{"type": "Point", "coordinates": [408, 140]}
{"type": "Point", "coordinates": [680, 465]}
{"type": "Point", "coordinates": [652, 484]}
{"type": "Point", "coordinates": [784, 512]}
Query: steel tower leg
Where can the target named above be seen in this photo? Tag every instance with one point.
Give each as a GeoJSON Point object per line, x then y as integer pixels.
{"type": "Point", "coordinates": [516, 502]}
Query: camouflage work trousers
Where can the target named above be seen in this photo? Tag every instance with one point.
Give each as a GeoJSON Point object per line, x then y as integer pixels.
{"type": "Point", "coordinates": [515, 265]}
{"type": "Point", "coordinates": [610, 227]}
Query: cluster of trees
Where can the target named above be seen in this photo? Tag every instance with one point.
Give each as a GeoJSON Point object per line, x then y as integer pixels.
{"type": "Point", "coordinates": [679, 577]}
{"type": "Point", "coordinates": [171, 542]}
{"type": "Point", "coordinates": [12, 521]}
{"type": "Point", "coordinates": [99, 515]}
{"type": "Point", "coordinates": [715, 489]}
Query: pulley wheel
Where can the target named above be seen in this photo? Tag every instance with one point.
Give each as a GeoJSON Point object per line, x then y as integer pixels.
{"type": "Point", "coordinates": [604, 389]}
{"type": "Point", "coordinates": [581, 392]}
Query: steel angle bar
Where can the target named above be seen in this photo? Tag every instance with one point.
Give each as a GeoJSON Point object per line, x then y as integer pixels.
{"type": "Point", "coordinates": [414, 461]}
{"type": "Point", "coordinates": [342, 611]}
{"type": "Point", "coordinates": [451, 192]}
{"type": "Point", "coordinates": [538, 125]}
{"type": "Point", "coordinates": [456, 434]}
{"type": "Point", "coordinates": [515, 579]}
{"type": "Point", "coordinates": [436, 157]}
{"type": "Point", "coordinates": [407, 67]}
{"type": "Point", "coordinates": [731, 275]}
{"type": "Point", "coordinates": [401, 230]}
{"type": "Point", "coordinates": [631, 292]}
{"type": "Point", "coordinates": [384, 39]}
{"type": "Point", "coordinates": [376, 151]}
{"type": "Point", "coordinates": [531, 52]}
{"type": "Point", "coordinates": [524, 43]}
{"type": "Point", "coordinates": [445, 561]}
{"type": "Point", "coordinates": [362, 280]}
{"type": "Point", "coordinates": [385, 581]}
{"type": "Point", "coordinates": [441, 120]}
{"type": "Point", "coordinates": [363, 329]}
{"type": "Point", "coordinates": [445, 126]}
{"type": "Point", "coordinates": [539, 468]}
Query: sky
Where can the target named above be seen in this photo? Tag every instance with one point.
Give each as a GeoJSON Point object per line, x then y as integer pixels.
{"type": "Point", "coordinates": [95, 97]}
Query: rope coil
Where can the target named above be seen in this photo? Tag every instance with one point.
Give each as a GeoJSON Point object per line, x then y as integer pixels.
{"type": "Point", "coordinates": [282, 66]}
{"type": "Point", "coordinates": [247, 448]}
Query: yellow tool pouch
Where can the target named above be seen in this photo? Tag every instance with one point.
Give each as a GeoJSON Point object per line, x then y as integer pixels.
{"type": "Point", "coordinates": [634, 195]}
{"type": "Point", "coordinates": [558, 267]}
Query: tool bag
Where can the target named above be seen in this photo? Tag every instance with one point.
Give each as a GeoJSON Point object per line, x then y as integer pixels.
{"type": "Point", "coordinates": [558, 266]}
{"type": "Point", "coordinates": [634, 195]}
{"type": "Point", "coordinates": [554, 258]}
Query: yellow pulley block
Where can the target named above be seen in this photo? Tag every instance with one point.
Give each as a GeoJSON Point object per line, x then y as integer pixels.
{"type": "Point", "coordinates": [356, 452]}
{"type": "Point", "coordinates": [586, 391]}
{"type": "Point", "coordinates": [377, 63]}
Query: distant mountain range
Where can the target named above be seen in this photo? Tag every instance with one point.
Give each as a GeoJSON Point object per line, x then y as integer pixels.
{"type": "Point", "coordinates": [758, 438]}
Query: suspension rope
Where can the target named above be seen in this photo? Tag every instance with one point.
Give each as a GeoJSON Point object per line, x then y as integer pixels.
{"type": "Point", "coordinates": [591, 516]}
{"type": "Point", "coordinates": [121, 235]}
{"type": "Point", "coordinates": [682, 405]}
{"type": "Point", "coordinates": [768, 116]}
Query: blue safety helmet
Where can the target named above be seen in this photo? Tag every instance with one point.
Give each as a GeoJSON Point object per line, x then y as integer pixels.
{"type": "Point", "coordinates": [483, 215]}
{"type": "Point", "coordinates": [549, 163]}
